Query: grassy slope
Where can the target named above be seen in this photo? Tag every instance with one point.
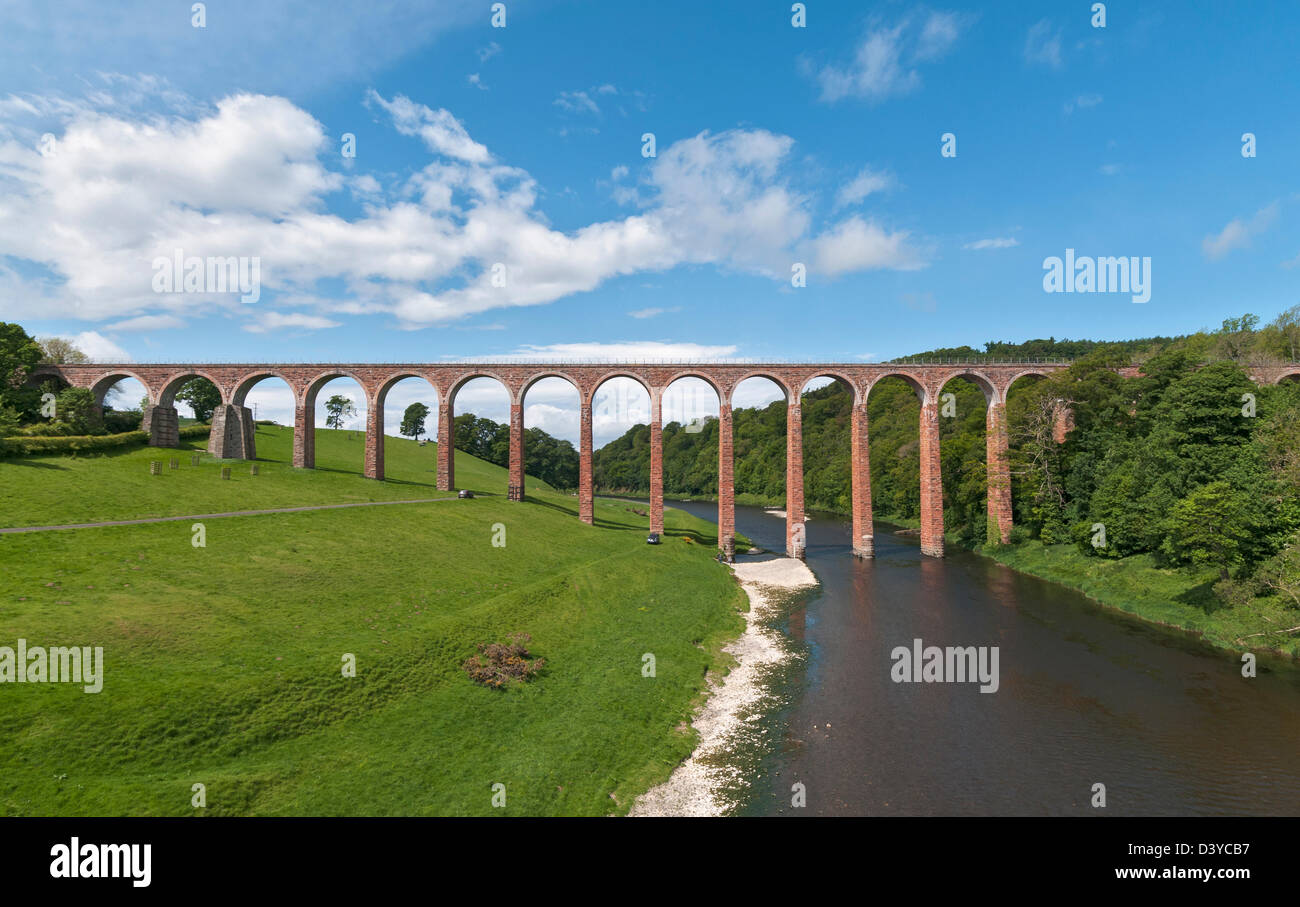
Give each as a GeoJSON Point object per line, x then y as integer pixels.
{"type": "Point", "coordinates": [71, 489]}
{"type": "Point", "coordinates": [1174, 597]}
{"type": "Point", "coordinates": [223, 663]}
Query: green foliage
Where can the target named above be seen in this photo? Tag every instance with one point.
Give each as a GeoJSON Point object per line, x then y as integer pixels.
{"type": "Point", "coordinates": [117, 421]}
{"type": "Point", "coordinates": [338, 408]}
{"type": "Point", "coordinates": [202, 396]}
{"type": "Point", "coordinates": [1211, 527]}
{"type": "Point", "coordinates": [75, 407]}
{"type": "Point", "coordinates": [550, 459]}
{"type": "Point", "coordinates": [19, 354]}
{"type": "Point", "coordinates": [72, 444]}
{"type": "Point", "coordinates": [413, 420]}
{"type": "Point", "coordinates": [60, 351]}
{"type": "Point", "coordinates": [35, 445]}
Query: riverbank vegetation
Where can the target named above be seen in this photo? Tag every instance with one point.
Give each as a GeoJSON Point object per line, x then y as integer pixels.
{"type": "Point", "coordinates": [1184, 479]}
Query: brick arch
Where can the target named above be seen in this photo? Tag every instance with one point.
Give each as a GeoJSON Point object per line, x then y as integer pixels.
{"type": "Point", "coordinates": [768, 374]}
{"type": "Point", "coordinates": [1026, 373]}
{"type": "Point", "coordinates": [313, 386]}
{"type": "Point", "coordinates": [454, 386]}
{"type": "Point", "coordinates": [173, 383]}
{"type": "Point", "coordinates": [1288, 375]}
{"type": "Point", "coordinates": [246, 383]}
{"type": "Point", "coordinates": [103, 384]}
{"type": "Point", "coordinates": [992, 393]}
{"type": "Point", "coordinates": [385, 384]}
{"type": "Point", "coordinates": [606, 377]}
{"type": "Point", "coordinates": [917, 384]}
{"type": "Point", "coordinates": [711, 380]}
{"type": "Point", "coordinates": [842, 378]}
{"type": "Point", "coordinates": [542, 376]}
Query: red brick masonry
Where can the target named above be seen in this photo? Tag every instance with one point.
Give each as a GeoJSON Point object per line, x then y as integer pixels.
{"type": "Point", "coordinates": [235, 437]}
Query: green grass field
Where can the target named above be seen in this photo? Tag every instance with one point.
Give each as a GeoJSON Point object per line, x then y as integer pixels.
{"type": "Point", "coordinates": [223, 663]}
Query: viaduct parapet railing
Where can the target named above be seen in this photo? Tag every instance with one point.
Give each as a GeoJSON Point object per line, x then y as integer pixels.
{"type": "Point", "coordinates": [233, 433]}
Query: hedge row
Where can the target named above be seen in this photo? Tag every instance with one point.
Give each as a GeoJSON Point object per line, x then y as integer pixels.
{"type": "Point", "coordinates": [71, 444]}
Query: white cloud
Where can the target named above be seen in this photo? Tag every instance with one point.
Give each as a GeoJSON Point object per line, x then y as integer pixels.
{"type": "Point", "coordinates": [147, 323]}
{"type": "Point", "coordinates": [938, 35]}
{"type": "Point", "coordinates": [244, 42]}
{"type": "Point", "coordinates": [884, 64]}
{"type": "Point", "coordinates": [99, 348]}
{"type": "Point", "coordinates": [1043, 44]}
{"type": "Point", "coordinates": [268, 321]}
{"type": "Point", "coordinates": [576, 102]}
{"type": "Point", "coordinates": [249, 178]}
{"type": "Point", "coordinates": [1237, 234]}
{"type": "Point", "coordinates": [441, 132]}
{"type": "Point", "coordinates": [865, 183]}
{"type": "Point", "coordinates": [653, 311]}
{"type": "Point", "coordinates": [1004, 242]}
{"type": "Point", "coordinates": [858, 245]}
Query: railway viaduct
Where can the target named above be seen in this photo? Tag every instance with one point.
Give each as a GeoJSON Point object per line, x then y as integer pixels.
{"type": "Point", "coordinates": [232, 435]}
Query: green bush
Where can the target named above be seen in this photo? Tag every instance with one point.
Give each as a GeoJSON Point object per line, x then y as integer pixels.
{"type": "Point", "coordinates": [116, 422]}
{"type": "Point", "coordinates": [31, 447]}
{"type": "Point", "coordinates": [195, 431]}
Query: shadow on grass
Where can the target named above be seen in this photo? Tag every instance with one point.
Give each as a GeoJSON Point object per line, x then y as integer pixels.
{"type": "Point", "coordinates": [569, 511]}
{"type": "Point", "coordinates": [1202, 596]}
{"type": "Point", "coordinates": [18, 461]}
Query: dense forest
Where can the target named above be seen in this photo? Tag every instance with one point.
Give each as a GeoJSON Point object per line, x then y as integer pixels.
{"type": "Point", "coordinates": [1189, 462]}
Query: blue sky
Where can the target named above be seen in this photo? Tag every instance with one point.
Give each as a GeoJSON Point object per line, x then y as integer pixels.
{"type": "Point", "coordinates": [521, 147]}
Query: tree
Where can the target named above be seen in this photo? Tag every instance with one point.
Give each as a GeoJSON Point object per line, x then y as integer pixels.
{"type": "Point", "coordinates": [19, 354]}
{"type": "Point", "coordinates": [1237, 336]}
{"type": "Point", "coordinates": [8, 424]}
{"type": "Point", "coordinates": [413, 420]}
{"type": "Point", "coordinates": [1209, 528]}
{"type": "Point", "coordinates": [61, 352]}
{"type": "Point", "coordinates": [75, 408]}
{"type": "Point", "coordinates": [202, 396]}
{"type": "Point", "coordinates": [1287, 325]}
{"type": "Point", "coordinates": [338, 408]}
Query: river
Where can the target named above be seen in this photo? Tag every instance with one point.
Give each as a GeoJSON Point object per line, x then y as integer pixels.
{"type": "Point", "coordinates": [1086, 696]}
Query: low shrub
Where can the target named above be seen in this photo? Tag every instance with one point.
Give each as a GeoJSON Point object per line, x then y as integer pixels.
{"type": "Point", "coordinates": [116, 422]}
{"type": "Point", "coordinates": [66, 444]}
{"type": "Point", "coordinates": [501, 664]}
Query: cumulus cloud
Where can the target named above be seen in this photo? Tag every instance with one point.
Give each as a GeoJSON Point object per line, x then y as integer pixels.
{"type": "Point", "coordinates": [857, 245]}
{"type": "Point", "coordinates": [1238, 232]}
{"type": "Point", "coordinates": [885, 62]}
{"type": "Point", "coordinates": [463, 234]}
{"type": "Point", "coordinates": [99, 348]}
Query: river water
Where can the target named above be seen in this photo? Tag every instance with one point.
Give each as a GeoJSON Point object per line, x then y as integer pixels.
{"type": "Point", "coordinates": [1086, 696]}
